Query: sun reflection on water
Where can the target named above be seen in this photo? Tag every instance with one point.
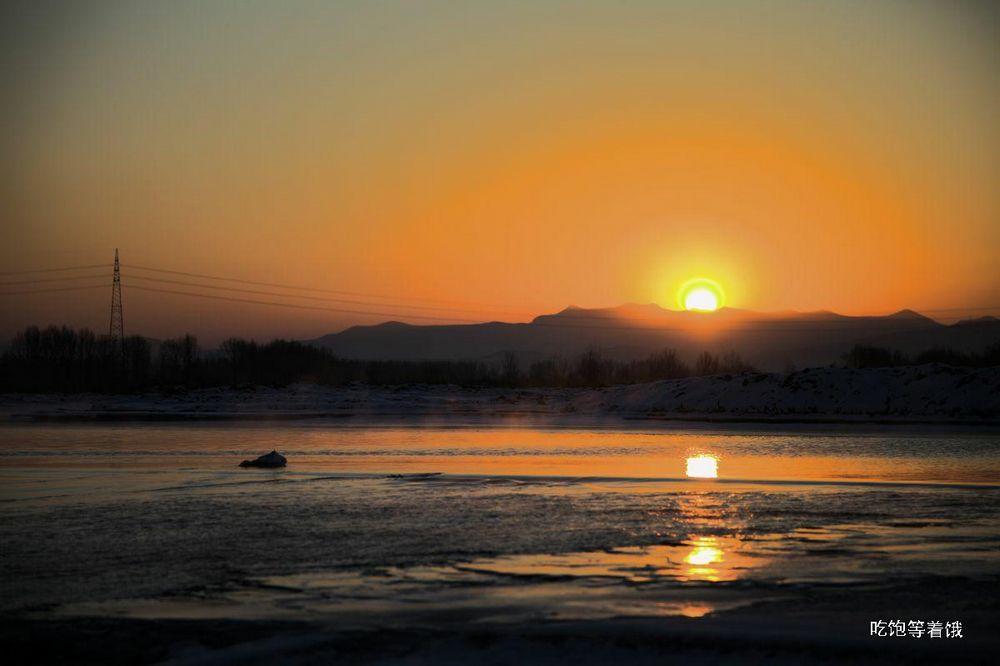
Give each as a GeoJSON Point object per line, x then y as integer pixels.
{"type": "Point", "coordinates": [703, 555]}
{"type": "Point", "coordinates": [705, 552]}
{"type": "Point", "coordinates": [703, 467]}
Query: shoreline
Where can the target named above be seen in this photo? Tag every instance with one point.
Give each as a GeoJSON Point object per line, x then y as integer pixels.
{"type": "Point", "coordinates": [493, 418]}
{"type": "Point", "coordinates": [924, 396]}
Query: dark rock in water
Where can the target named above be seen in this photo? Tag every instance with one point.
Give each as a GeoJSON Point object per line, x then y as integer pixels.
{"type": "Point", "coordinates": [272, 459]}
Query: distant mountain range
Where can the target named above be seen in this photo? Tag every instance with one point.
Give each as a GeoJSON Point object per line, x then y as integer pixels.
{"type": "Point", "coordinates": [769, 340]}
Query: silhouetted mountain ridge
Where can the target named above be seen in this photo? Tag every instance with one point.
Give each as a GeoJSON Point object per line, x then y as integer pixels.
{"type": "Point", "coordinates": [770, 340]}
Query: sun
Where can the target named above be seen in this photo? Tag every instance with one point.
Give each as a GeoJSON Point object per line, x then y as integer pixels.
{"type": "Point", "coordinates": [701, 295]}
{"type": "Point", "coordinates": [701, 298]}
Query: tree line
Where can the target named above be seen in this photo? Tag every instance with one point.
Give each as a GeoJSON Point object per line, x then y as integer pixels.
{"type": "Point", "coordinates": [62, 359]}
{"type": "Point", "coordinates": [871, 356]}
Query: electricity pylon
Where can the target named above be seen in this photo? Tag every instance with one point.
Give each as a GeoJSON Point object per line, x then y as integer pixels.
{"type": "Point", "coordinates": [117, 331]}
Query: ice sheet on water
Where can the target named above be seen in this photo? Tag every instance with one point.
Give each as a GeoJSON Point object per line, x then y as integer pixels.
{"type": "Point", "coordinates": [136, 543]}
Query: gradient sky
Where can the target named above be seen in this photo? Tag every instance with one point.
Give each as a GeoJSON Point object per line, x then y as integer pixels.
{"type": "Point", "coordinates": [508, 158]}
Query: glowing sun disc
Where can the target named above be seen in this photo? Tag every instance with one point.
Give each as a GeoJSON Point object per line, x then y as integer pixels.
{"type": "Point", "coordinates": [701, 298]}
{"type": "Point", "coordinates": [700, 295]}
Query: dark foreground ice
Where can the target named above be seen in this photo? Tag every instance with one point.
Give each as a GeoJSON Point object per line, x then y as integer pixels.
{"type": "Point", "coordinates": [137, 545]}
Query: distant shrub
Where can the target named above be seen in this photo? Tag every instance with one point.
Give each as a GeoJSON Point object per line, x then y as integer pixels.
{"type": "Point", "coordinates": [733, 363]}
{"type": "Point", "coordinates": [945, 355]}
{"type": "Point", "coordinates": [869, 356]}
{"type": "Point", "coordinates": [706, 364]}
{"type": "Point", "coordinates": [510, 370]}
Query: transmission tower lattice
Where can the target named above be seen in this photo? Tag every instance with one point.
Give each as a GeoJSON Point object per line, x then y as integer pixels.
{"type": "Point", "coordinates": [117, 320]}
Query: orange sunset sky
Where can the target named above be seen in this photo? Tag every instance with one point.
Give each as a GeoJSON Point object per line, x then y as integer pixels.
{"type": "Point", "coordinates": [493, 160]}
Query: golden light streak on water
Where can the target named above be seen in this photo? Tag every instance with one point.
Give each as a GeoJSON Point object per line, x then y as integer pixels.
{"type": "Point", "coordinates": [703, 467]}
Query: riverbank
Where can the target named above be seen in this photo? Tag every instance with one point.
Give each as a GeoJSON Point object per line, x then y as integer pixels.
{"type": "Point", "coordinates": [908, 395]}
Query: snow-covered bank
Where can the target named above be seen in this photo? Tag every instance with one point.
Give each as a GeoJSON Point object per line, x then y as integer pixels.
{"type": "Point", "coordinates": [918, 391]}
{"type": "Point", "coordinates": [929, 392]}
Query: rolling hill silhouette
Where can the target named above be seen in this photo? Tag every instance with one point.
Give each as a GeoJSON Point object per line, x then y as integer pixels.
{"type": "Point", "coordinates": [769, 340]}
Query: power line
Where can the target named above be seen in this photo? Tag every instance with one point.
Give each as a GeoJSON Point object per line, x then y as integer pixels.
{"type": "Point", "coordinates": [301, 307]}
{"type": "Point", "coordinates": [55, 270]}
{"type": "Point", "coordinates": [926, 310]}
{"type": "Point", "coordinates": [55, 279]}
{"type": "Point", "coordinates": [312, 298]}
{"type": "Point", "coordinates": [43, 291]}
{"type": "Point", "coordinates": [286, 286]}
